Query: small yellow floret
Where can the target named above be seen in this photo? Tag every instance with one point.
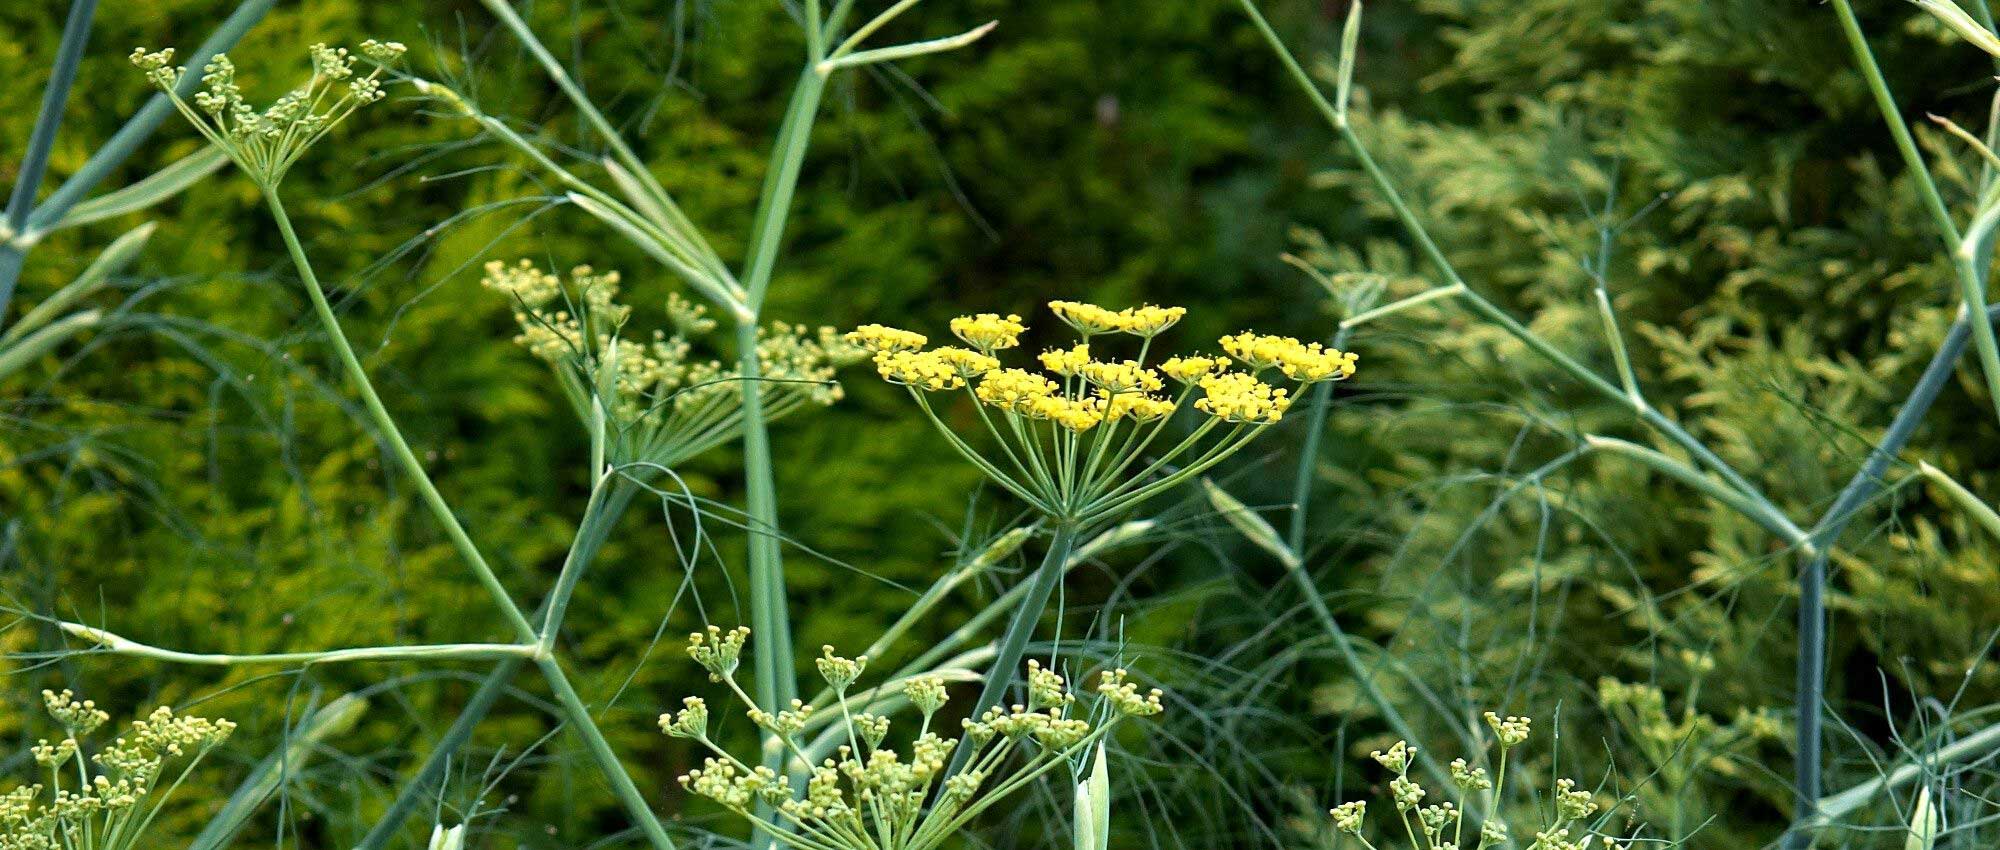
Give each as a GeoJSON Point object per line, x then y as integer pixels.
{"type": "Point", "coordinates": [1067, 362]}
{"type": "Point", "coordinates": [1188, 370]}
{"type": "Point", "coordinates": [1013, 389]}
{"type": "Point", "coordinates": [924, 370]}
{"type": "Point", "coordinates": [880, 338]}
{"type": "Point", "coordinates": [1088, 319]}
{"type": "Point", "coordinates": [1122, 376]}
{"type": "Point", "coordinates": [989, 332]}
{"type": "Point", "coordinates": [1238, 397]}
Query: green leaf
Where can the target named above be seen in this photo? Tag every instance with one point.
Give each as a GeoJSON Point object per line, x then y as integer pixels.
{"type": "Point", "coordinates": [1254, 527]}
{"type": "Point", "coordinates": [156, 187]}
{"type": "Point", "coordinates": [115, 258]}
{"type": "Point", "coordinates": [16, 356]}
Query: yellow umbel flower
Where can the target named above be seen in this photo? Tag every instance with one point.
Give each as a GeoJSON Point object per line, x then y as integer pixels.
{"type": "Point", "coordinates": [1137, 407]}
{"type": "Point", "coordinates": [899, 787]}
{"type": "Point", "coordinates": [1238, 397]}
{"type": "Point", "coordinates": [1067, 362]}
{"type": "Point", "coordinates": [1305, 362]}
{"type": "Point", "coordinates": [989, 332]}
{"type": "Point", "coordinates": [1258, 351]}
{"type": "Point", "coordinates": [1122, 376]}
{"type": "Point", "coordinates": [1313, 362]}
{"type": "Point", "coordinates": [655, 401]}
{"type": "Point", "coordinates": [880, 338]}
{"type": "Point", "coordinates": [925, 370]}
{"type": "Point", "coordinates": [1081, 439]}
{"type": "Point", "coordinates": [1088, 319]}
{"type": "Point", "coordinates": [1073, 414]}
{"type": "Point", "coordinates": [968, 364]}
{"type": "Point", "coordinates": [1149, 321]}
{"type": "Point", "coordinates": [1188, 370]}
{"type": "Point", "coordinates": [1013, 389]}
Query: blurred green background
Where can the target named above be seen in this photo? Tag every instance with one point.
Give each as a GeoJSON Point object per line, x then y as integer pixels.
{"type": "Point", "coordinates": [210, 488]}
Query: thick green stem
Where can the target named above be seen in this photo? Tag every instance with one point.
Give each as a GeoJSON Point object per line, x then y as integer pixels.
{"type": "Point", "coordinates": [1014, 643]}
{"type": "Point", "coordinates": [385, 425]}
{"type": "Point", "coordinates": [1971, 283]}
{"type": "Point", "coordinates": [607, 503]}
{"type": "Point", "coordinates": [578, 716]}
{"type": "Point", "coordinates": [776, 682]}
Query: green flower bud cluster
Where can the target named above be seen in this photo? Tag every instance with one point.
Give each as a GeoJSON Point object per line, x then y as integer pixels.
{"type": "Point", "coordinates": [111, 805]}
{"type": "Point", "coordinates": [1440, 825]}
{"type": "Point", "coordinates": [865, 793]}
{"type": "Point", "coordinates": [266, 143]}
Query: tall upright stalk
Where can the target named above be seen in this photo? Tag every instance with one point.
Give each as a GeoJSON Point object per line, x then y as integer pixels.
{"type": "Point", "coordinates": [1014, 642]}
{"type": "Point", "coordinates": [770, 616]}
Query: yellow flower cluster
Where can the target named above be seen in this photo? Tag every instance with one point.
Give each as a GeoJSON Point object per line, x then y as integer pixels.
{"type": "Point", "coordinates": [1013, 389]}
{"type": "Point", "coordinates": [989, 332]}
{"type": "Point", "coordinates": [1139, 407]}
{"type": "Point", "coordinates": [881, 338]}
{"type": "Point", "coordinates": [1075, 415]}
{"type": "Point", "coordinates": [924, 370]}
{"type": "Point", "coordinates": [1122, 376]}
{"type": "Point", "coordinates": [968, 364]}
{"type": "Point", "coordinates": [1144, 321]}
{"type": "Point", "coordinates": [1188, 370]}
{"type": "Point", "coordinates": [1067, 362]}
{"type": "Point", "coordinates": [1308, 362]}
{"type": "Point", "coordinates": [1238, 397]}
{"type": "Point", "coordinates": [666, 403]}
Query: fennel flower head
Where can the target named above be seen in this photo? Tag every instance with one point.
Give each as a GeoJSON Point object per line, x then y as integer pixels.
{"type": "Point", "coordinates": [265, 143]}
{"type": "Point", "coordinates": [1086, 436]}
{"type": "Point", "coordinates": [118, 791]}
{"type": "Point", "coordinates": [658, 397]}
{"type": "Point", "coordinates": [871, 788]}
{"type": "Point", "coordinates": [1566, 824]}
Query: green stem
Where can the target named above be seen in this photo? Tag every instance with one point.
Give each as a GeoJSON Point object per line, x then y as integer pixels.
{"type": "Point", "coordinates": [1473, 300]}
{"type": "Point", "coordinates": [1971, 286]}
{"type": "Point", "coordinates": [607, 503]}
{"type": "Point", "coordinates": [1014, 643]}
{"type": "Point", "coordinates": [1302, 480]}
{"type": "Point", "coordinates": [385, 425]}
{"type": "Point", "coordinates": [776, 682]}
{"type": "Point", "coordinates": [106, 642]}
{"type": "Point", "coordinates": [62, 74]}
{"type": "Point", "coordinates": [578, 716]}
